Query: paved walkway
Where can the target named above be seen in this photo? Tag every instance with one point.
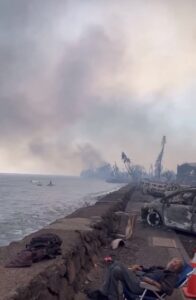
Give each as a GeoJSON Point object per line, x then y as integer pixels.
{"type": "Point", "coordinates": [157, 245]}
{"type": "Point", "coordinates": [148, 246]}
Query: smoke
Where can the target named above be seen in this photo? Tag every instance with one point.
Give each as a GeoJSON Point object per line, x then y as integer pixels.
{"type": "Point", "coordinates": [91, 158]}
{"type": "Point", "coordinates": [78, 76]}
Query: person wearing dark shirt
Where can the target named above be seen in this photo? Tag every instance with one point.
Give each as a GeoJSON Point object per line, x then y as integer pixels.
{"type": "Point", "coordinates": [164, 278]}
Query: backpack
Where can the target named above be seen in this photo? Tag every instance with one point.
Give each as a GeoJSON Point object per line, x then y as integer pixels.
{"type": "Point", "coordinates": [44, 246]}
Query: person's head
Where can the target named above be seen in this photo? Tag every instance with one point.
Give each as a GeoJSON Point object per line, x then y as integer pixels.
{"type": "Point", "coordinates": [175, 265]}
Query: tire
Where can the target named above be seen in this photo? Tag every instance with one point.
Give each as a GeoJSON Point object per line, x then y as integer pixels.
{"type": "Point", "coordinates": [153, 218]}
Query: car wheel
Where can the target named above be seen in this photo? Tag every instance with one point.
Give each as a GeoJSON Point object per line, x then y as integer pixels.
{"type": "Point", "coordinates": [153, 218]}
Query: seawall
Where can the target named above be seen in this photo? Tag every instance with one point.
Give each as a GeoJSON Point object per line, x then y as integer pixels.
{"type": "Point", "coordinates": [83, 233]}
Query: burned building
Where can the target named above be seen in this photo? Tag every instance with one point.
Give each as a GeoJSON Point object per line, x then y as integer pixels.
{"type": "Point", "coordinates": [186, 173]}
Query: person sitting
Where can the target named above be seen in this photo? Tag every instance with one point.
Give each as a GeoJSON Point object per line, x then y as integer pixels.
{"type": "Point", "coordinates": [164, 278]}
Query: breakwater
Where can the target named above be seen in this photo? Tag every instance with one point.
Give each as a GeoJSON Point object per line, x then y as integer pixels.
{"type": "Point", "coordinates": [83, 233]}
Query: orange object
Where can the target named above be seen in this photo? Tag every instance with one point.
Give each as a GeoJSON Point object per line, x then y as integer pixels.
{"type": "Point", "coordinates": [190, 288]}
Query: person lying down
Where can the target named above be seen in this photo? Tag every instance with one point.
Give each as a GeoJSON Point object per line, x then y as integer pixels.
{"type": "Point", "coordinates": [163, 278]}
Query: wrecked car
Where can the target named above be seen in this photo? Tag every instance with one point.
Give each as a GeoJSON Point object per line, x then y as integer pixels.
{"type": "Point", "coordinates": [158, 189]}
{"type": "Point", "coordinates": [177, 210]}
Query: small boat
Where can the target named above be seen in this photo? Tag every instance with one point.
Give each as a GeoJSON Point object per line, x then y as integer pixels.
{"type": "Point", "coordinates": [36, 182]}
{"type": "Point", "coordinates": [50, 183]}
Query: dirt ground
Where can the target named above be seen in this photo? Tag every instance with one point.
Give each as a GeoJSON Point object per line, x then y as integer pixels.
{"type": "Point", "coordinates": [125, 254]}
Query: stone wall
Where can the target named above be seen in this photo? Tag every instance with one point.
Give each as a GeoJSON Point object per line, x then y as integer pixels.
{"type": "Point", "coordinates": [83, 233]}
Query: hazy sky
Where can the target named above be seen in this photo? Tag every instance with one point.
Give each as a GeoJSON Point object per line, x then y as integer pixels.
{"type": "Point", "coordinates": [82, 81]}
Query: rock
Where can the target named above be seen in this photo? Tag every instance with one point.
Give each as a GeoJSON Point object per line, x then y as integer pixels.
{"type": "Point", "coordinates": [80, 296]}
{"type": "Point", "coordinates": [71, 271]}
{"type": "Point", "coordinates": [36, 287]}
{"type": "Point", "coordinates": [83, 257]}
{"type": "Point", "coordinates": [76, 260]}
{"type": "Point", "coordinates": [43, 295]}
{"type": "Point", "coordinates": [66, 292]}
{"type": "Point", "coordinates": [62, 270]}
{"type": "Point", "coordinates": [54, 283]}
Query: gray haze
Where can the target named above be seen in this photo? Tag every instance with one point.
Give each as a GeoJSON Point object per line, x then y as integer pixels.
{"type": "Point", "coordinates": [82, 81]}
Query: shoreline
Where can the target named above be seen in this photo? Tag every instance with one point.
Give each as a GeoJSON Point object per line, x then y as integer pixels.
{"type": "Point", "coordinates": [86, 234]}
{"type": "Point", "coordinates": [12, 231]}
{"type": "Point", "coordinates": [83, 232]}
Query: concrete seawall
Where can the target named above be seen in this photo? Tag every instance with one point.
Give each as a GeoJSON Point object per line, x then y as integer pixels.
{"type": "Point", "coordinates": [83, 232]}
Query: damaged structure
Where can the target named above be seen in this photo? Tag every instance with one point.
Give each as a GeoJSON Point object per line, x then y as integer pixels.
{"type": "Point", "coordinates": [177, 210]}
{"type": "Point", "coordinates": [158, 188]}
{"type": "Point", "coordinates": [186, 173]}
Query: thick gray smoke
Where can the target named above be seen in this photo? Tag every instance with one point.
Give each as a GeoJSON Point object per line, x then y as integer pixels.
{"type": "Point", "coordinates": [91, 158]}
{"type": "Point", "coordinates": [81, 75]}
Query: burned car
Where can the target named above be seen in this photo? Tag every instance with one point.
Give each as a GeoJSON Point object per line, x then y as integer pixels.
{"type": "Point", "coordinates": [177, 210]}
{"type": "Point", "coordinates": [158, 189]}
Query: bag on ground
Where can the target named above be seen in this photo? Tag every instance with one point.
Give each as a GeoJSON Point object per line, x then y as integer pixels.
{"type": "Point", "coordinates": [45, 246]}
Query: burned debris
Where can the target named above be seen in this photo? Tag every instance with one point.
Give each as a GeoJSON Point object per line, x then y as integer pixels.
{"type": "Point", "coordinates": [178, 211]}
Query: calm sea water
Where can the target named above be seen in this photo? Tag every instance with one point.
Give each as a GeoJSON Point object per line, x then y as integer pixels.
{"type": "Point", "coordinates": [27, 203]}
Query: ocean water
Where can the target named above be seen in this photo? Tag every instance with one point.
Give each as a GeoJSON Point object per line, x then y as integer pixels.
{"type": "Point", "coordinates": [27, 203]}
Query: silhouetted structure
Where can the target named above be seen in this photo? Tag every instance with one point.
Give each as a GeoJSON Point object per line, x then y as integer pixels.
{"type": "Point", "coordinates": [186, 173]}
{"type": "Point", "coordinates": [158, 163]}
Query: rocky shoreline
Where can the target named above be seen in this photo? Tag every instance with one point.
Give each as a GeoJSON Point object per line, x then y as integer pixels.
{"type": "Point", "coordinates": [83, 233]}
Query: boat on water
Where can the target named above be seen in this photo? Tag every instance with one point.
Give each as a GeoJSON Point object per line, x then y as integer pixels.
{"type": "Point", "coordinates": [50, 183]}
{"type": "Point", "coordinates": [36, 182]}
